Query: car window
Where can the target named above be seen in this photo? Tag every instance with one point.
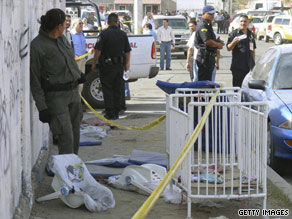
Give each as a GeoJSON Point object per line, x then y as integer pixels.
{"type": "Point", "coordinates": [278, 21]}
{"type": "Point", "coordinates": [257, 20]}
{"type": "Point", "coordinates": [257, 13]}
{"type": "Point", "coordinates": [270, 19]}
{"type": "Point", "coordinates": [286, 21]}
{"type": "Point", "coordinates": [283, 74]}
{"type": "Point", "coordinates": [175, 23]}
{"type": "Point", "coordinates": [264, 66]}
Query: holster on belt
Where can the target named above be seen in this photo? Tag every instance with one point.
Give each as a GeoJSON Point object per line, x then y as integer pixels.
{"type": "Point", "coordinates": [203, 53]}
{"type": "Point", "coordinates": [111, 61]}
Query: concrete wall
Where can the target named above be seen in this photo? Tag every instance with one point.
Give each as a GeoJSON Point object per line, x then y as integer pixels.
{"type": "Point", "coordinates": [22, 136]}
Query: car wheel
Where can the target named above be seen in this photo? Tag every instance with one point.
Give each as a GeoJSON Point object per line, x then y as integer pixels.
{"type": "Point", "coordinates": [271, 159]}
{"type": "Point", "coordinates": [278, 39]}
{"type": "Point", "coordinates": [92, 90]}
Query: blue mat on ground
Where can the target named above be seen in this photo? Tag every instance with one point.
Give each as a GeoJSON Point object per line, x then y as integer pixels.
{"type": "Point", "coordinates": [137, 157]}
{"type": "Point", "coordinates": [89, 141]}
{"type": "Point", "coordinates": [171, 87]}
{"type": "Point", "coordinates": [117, 161]}
{"type": "Point", "coordinates": [148, 157]}
{"type": "Point", "coordinates": [102, 171]}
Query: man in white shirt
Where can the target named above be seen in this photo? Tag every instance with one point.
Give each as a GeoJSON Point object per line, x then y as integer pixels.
{"type": "Point", "coordinates": [193, 14]}
{"type": "Point", "coordinates": [165, 38]}
{"type": "Point", "coordinates": [192, 52]}
{"type": "Point", "coordinates": [148, 19]}
{"type": "Point", "coordinates": [67, 32]}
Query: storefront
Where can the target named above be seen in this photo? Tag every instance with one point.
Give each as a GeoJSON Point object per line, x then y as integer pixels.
{"type": "Point", "coordinates": [148, 5]}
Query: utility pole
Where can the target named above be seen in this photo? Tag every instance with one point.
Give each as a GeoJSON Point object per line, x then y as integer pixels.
{"type": "Point", "coordinates": [138, 10]}
{"type": "Point", "coordinates": [230, 8]}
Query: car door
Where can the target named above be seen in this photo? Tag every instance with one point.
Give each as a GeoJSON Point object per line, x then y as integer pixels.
{"type": "Point", "coordinates": [262, 71]}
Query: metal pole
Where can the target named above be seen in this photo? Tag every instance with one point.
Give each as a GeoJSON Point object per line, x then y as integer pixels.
{"type": "Point", "coordinates": [138, 10]}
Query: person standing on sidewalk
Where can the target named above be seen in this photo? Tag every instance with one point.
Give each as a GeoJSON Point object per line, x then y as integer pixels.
{"type": "Point", "coordinates": [207, 45]}
{"type": "Point", "coordinates": [54, 78]}
{"type": "Point", "coordinates": [67, 31]}
{"type": "Point", "coordinates": [148, 19]}
{"type": "Point", "coordinates": [109, 49]}
{"type": "Point", "coordinates": [79, 44]}
{"type": "Point", "coordinates": [165, 38]}
{"type": "Point", "coordinates": [192, 52]}
{"type": "Point", "coordinates": [241, 42]}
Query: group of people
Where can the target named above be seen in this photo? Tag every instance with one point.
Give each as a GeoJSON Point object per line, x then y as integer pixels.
{"type": "Point", "coordinates": [164, 36]}
{"type": "Point", "coordinates": [55, 74]}
{"type": "Point", "coordinates": [204, 46]}
{"type": "Point", "coordinates": [222, 21]}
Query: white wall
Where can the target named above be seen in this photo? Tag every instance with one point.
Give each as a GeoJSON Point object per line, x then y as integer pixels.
{"type": "Point", "coordinates": [22, 136]}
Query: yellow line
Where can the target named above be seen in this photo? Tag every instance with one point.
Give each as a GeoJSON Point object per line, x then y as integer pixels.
{"type": "Point", "coordinates": [148, 204]}
{"type": "Point", "coordinates": [83, 56]}
{"type": "Point", "coordinates": [148, 126]}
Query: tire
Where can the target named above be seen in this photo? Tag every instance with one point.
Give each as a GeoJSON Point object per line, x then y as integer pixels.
{"type": "Point", "coordinates": [92, 90]}
{"type": "Point", "coordinates": [278, 39]}
{"type": "Point", "coordinates": [272, 161]}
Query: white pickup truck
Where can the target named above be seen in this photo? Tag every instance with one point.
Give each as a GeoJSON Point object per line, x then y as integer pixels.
{"type": "Point", "coordinates": [142, 63]}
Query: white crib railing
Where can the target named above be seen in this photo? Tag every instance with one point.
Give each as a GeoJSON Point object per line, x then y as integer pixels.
{"type": "Point", "coordinates": [230, 154]}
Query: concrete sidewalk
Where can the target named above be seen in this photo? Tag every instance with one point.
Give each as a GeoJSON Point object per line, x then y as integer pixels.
{"type": "Point", "coordinates": [280, 183]}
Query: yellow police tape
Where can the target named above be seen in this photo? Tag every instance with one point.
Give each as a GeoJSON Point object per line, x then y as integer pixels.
{"type": "Point", "coordinates": [148, 126]}
{"type": "Point", "coordinates": [83, 56]}
{"type": "Point", "coordinates": [127, 22]}
{"type": "Point", "coordinates": [148, 204]}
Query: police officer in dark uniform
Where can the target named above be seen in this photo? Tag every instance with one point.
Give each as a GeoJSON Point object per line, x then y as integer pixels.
{"type": "Point", "coordinates": [207, 45]}
{"type": "Point", "coordinates": [242, 43]}
{"type": "Point", "coordinates": [109, 49]}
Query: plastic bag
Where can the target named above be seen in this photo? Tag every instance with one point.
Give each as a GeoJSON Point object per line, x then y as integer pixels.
{"type": "Point", "coordinates": [98, 199]}
{"type": "Point", "coordinates": [174, 195]}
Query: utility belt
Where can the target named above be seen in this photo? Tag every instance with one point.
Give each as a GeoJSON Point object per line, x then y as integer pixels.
{"type": "Point", "coordinates": [60, 87]}
{"type": "Point", "coordinates": [112, 60]}
{"type": "Point", "coordinates": [205, 54]}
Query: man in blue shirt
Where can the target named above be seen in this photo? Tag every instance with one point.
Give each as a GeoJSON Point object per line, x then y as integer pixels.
{"type": "Point", "coordinates": [79, 45]}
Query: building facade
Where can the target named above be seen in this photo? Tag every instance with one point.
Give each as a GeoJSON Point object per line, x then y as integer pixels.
{"type": "Point", "coordinates": [155, 6]}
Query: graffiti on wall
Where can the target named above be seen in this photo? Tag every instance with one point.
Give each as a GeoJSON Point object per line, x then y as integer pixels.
{"type": "Point", "coordinates": [23, 44]}
{"type": "Point", "coordinates": [4, 136]}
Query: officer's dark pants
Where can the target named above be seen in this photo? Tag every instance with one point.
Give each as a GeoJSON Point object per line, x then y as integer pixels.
{"type": "Point", "coordinates": [123, 97]}
{"type": "Point", "coordinates": [64, 107]}
{"type": "Point", "coordinates": [238, 76]}
{"type": "Point", "coordinates": [205, 70]}
{"type": "Point", "coordinates": [111, 77]}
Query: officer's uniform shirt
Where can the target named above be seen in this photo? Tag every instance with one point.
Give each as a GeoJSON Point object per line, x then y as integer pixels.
{"type": "Point", "coordinates": [53, 60]}
{"type": "Point", "coordinates": [204, 32]}
{"type": "Point", "coordinates": [242, 58]}
{"type": "Point", "coordinates": [112, 42]}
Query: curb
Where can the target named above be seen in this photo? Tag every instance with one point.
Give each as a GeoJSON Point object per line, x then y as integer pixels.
{"type": "Point", "coordinates": [280, 183]}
